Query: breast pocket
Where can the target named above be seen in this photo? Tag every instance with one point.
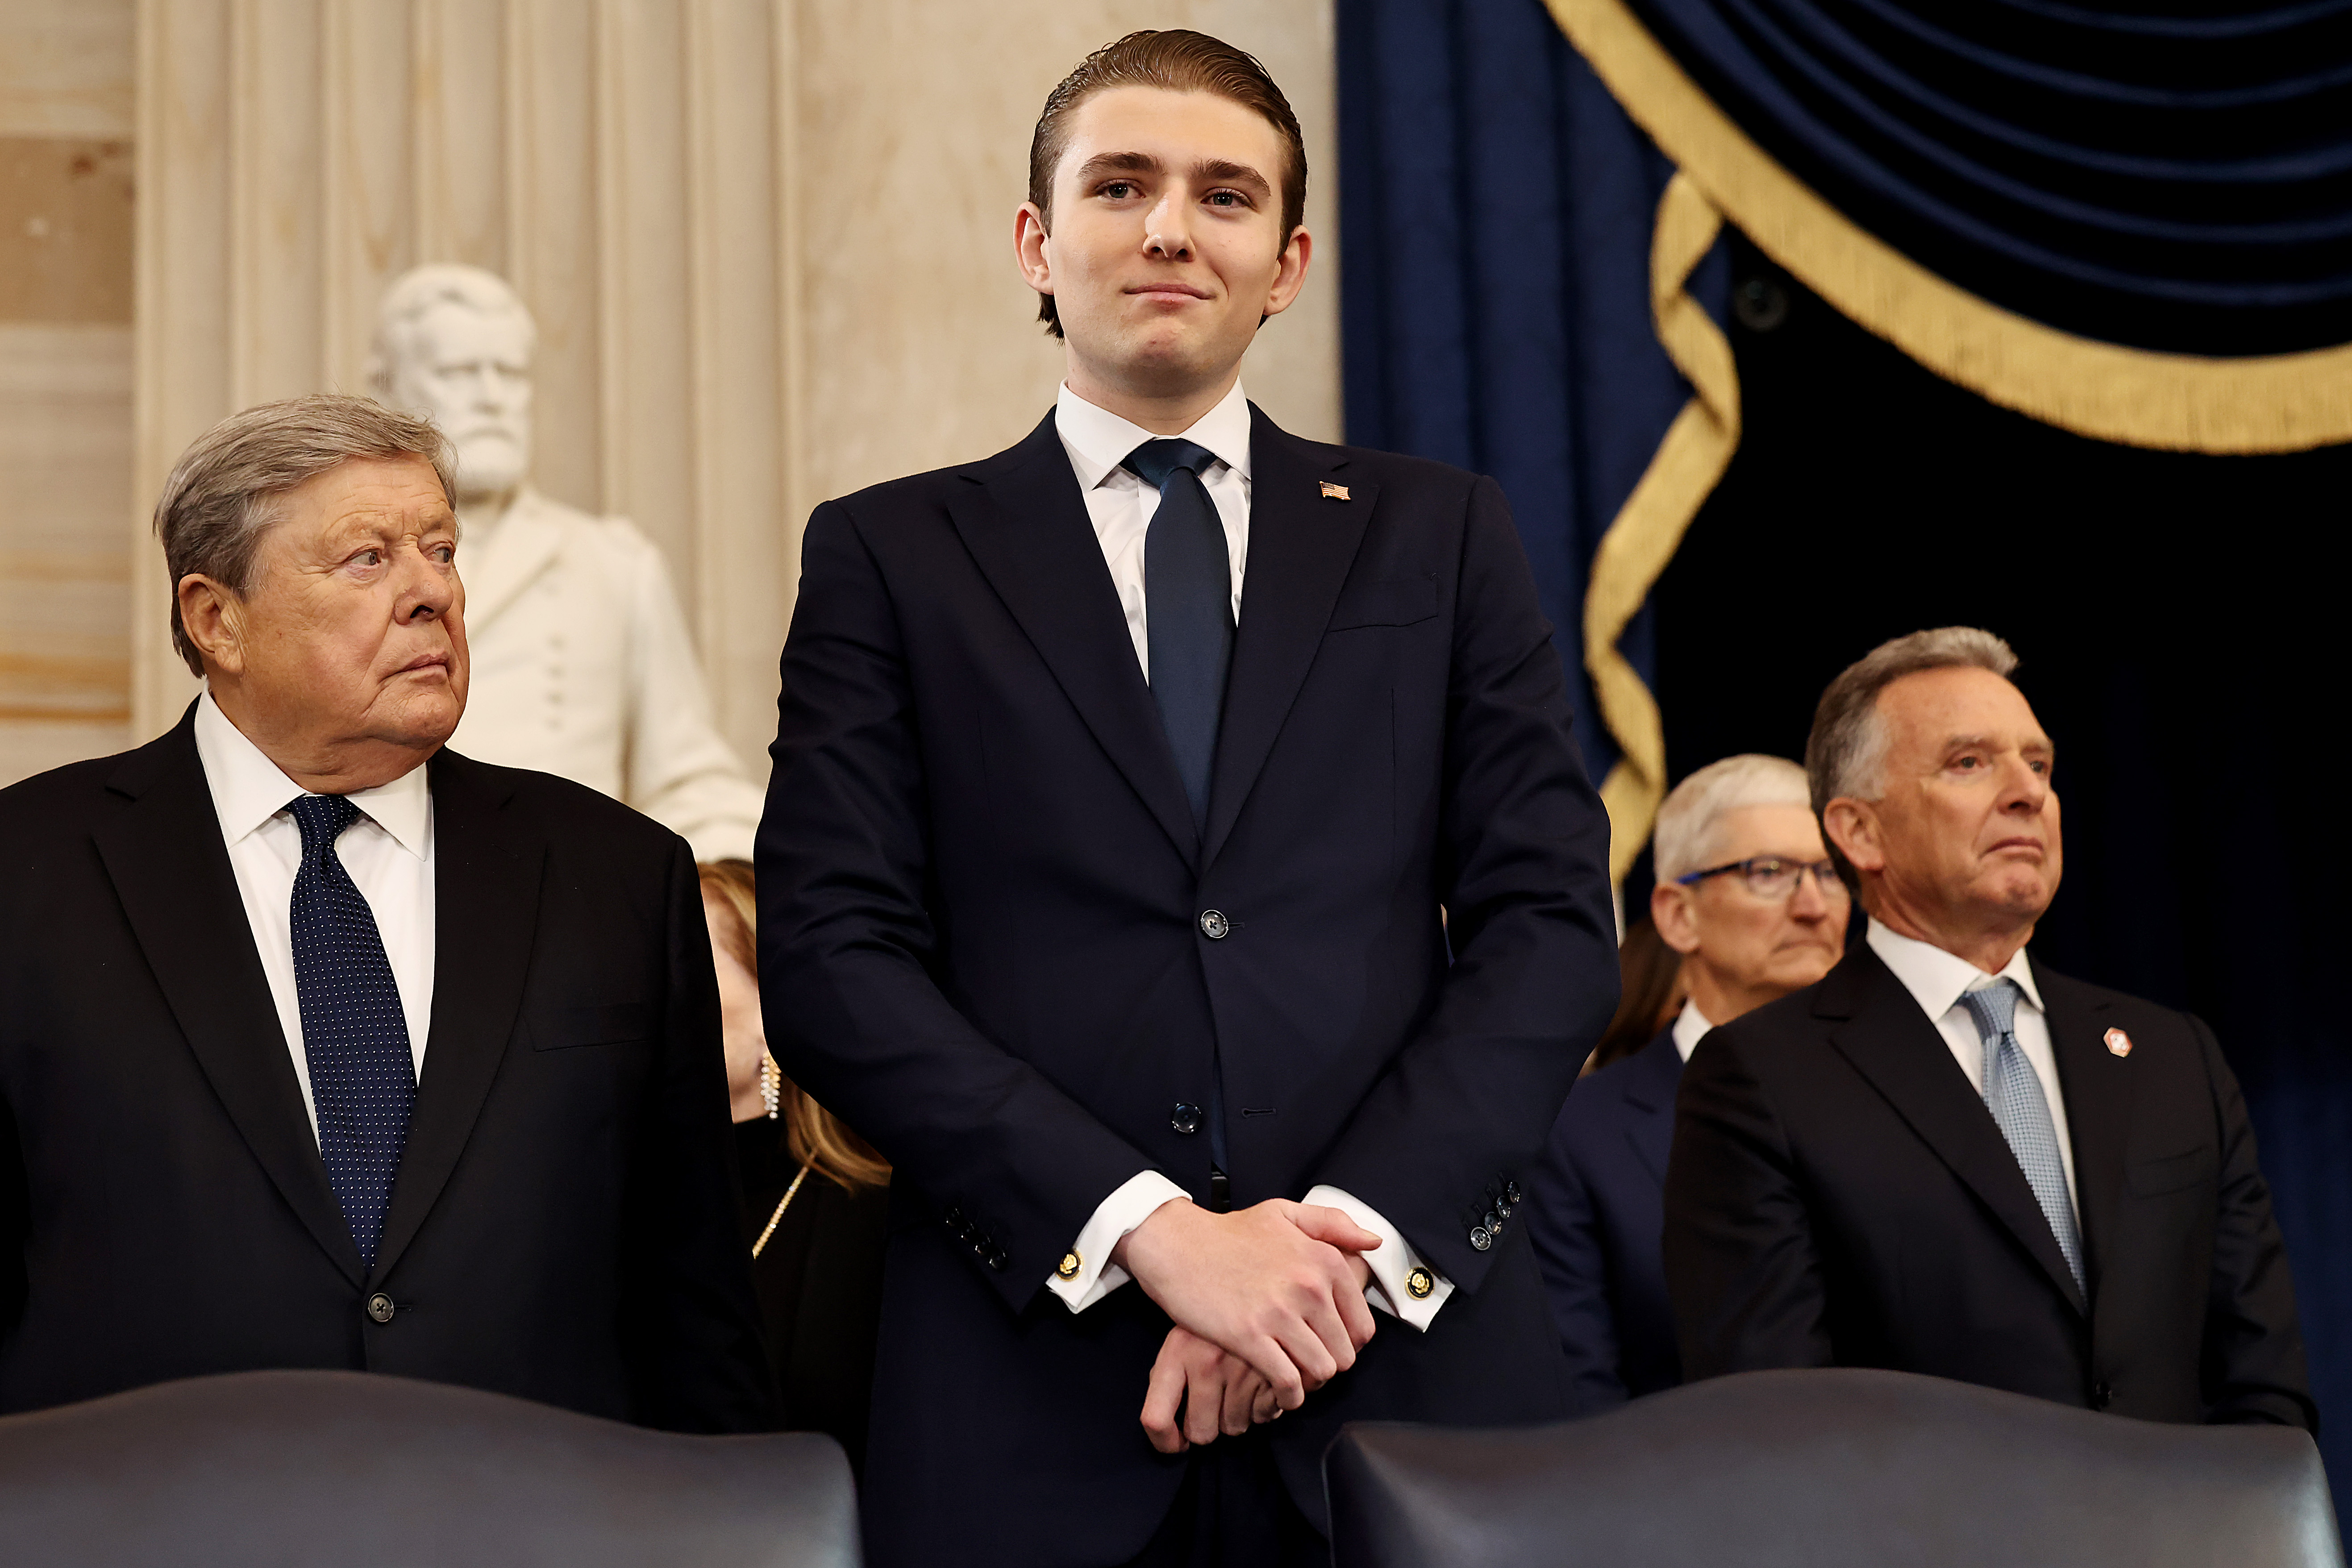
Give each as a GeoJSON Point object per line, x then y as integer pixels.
{"type": "Point", "coordinates": [2170, 1173]}
{"type": "Point", "coordinates": [1386, 602]}
{"type": "Point", "coordinates": [595, 1024]}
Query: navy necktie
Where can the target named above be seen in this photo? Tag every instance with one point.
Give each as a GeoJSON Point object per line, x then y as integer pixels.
{"type": "Point", "coordinates": [354, 1035]}
{"type": "Point", "coordinates": [1187, 598]}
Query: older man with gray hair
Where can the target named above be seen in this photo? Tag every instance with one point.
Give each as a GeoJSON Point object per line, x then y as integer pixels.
{"type": "Point", "coordinates": [583, 664]}
{"type": "Point", "coordinates": [1747, 895]}
{"type": "Point", "coordinates": [325, 1047]}
{"type": "Point", "coordinates": [1945, 1157]}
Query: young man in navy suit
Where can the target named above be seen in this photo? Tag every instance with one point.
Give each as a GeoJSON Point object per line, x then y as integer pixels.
{"type": "Point", "coordinates": [1747, 895]}
{"type": "Point", "coordinates": [1176, 860]}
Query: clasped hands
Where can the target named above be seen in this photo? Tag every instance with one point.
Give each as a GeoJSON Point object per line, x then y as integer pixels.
{"type": "Point", "coordinates": [1269, 1306]}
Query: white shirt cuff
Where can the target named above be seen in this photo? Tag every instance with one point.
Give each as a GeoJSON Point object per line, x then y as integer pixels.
{"type": "Point", "coordinates": [1394, 1265]}
{"type": "Point", "coordinates": [1135, 1201]}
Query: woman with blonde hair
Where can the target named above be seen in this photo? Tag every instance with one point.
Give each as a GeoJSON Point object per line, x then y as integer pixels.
{"type": "Point", "coordinates": [816, 1197]}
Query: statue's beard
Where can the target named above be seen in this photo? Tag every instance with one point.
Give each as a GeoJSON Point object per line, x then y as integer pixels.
{"type": "Point", "coordinates": [492, 462]}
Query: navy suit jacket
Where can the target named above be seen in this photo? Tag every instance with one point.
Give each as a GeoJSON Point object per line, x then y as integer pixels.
{"type": "Point", "coordinates": [1597, 1210]}
{"type": "Point", "coordinates": [1839, 1196]}
{"type": "Point", "coordinates": [982, 942]}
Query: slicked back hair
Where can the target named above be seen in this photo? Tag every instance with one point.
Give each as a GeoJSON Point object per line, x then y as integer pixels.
{"type": "Point", "coordinates": [1177, 61]}
{"type": "Point", "coordinates": [225, 492]}
{"type": "Point", "coordinates": [1846, 755]}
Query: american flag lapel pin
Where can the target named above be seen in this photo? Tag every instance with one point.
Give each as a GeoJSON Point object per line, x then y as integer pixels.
{"type": "Point", "coordinates": [2120, 1042]}
{"type": "Point", "coordinates": [1334, 493]}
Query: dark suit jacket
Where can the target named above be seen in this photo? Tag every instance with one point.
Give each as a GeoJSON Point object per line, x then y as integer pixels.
{"type": "Point", "coordinates": [1596, 1209]}
{"type": "Point", "coordinates": [980, 943]}
{"type": "Point", "coordinates": [564, 1222]}
{"type": "Point", "coordinates": [1839, 1196]}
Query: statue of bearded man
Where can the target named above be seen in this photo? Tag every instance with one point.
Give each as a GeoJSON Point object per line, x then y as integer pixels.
{"type": "Point", "coordinates": [582, 663]}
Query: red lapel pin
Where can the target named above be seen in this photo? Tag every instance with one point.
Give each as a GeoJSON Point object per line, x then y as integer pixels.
{"type": "Point", "coordinates": [1334, 493]}
{"type": "Point", "coordinates": [2120, 1042]}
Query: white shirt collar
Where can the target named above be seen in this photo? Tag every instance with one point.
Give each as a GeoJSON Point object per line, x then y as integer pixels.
{"type": "Point", "coordinates": [248, 789]}
{"type": "Point", "coordinates": [1935, 978]}
{"type": "Point", "coordinates": [1690, 1024]}
{"type": "Point", "coordinates": [1098, 440]}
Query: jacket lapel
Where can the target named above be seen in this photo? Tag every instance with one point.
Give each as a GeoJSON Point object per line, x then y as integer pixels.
{"type": "Point", "coordinates": [1301, 544]}
{"type": "Point", "coordinates": [1891, 1043]}
{"type": "Point", "coordinates": [171, 869]}
{"type": "Point", "coordinates": [2098, 1086]}
{"type": "Point", "coordinates": [487, 869]}
{"type": "Point", "coordinates": [525, 542]}
{"type": "Point", "coordinates": [1652, 1078]}
{"type": "Point", "coordinates": [1027, 526]}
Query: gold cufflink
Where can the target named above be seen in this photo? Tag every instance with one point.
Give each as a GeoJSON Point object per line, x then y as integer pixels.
{"type": "Point", "coordinates": [1334, 493]}
{"type": "Point", "coordinates": [1069, 1266]}
{"type": "Point", "coordinates": [1418, 1284]}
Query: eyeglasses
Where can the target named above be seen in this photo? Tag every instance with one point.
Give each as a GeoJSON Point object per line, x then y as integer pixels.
{"type": "Point", "coordinates": [1770, 877]}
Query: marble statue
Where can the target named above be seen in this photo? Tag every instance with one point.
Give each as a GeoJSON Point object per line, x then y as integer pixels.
{"type": "Point", "coordinates": [582, 662]}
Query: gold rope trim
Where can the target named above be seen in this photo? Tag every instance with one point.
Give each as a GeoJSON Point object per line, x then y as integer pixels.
{"type": "Point", "coordinates": [2275, 402]}
{"type": "Point", "coordinates": [1648, 527]}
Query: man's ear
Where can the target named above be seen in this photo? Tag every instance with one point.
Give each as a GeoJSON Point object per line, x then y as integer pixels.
{"type": "Point", "coordinates": [1671, 913]}
{"type": "Point", "coordinates": [1029, 237]}
{"type": "Point", "coordinates": [1853, 826]}
{"type": "Point", "coordinates": [214, 619]}
{"type": "Point", "coordinates": [1290, 273]}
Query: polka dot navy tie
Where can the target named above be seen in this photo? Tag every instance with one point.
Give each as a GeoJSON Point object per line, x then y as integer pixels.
{"type": "Point", "coordinates": [362, 1078]}
{"type": "Point", "coordinates": [2012, 1092]}
{"type": "Point", "coordinates": [1188, 607]}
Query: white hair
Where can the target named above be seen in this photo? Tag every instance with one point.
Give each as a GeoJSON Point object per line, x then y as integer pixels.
{"type": "Point", "coordinates": [420, 288]}
{"type": "Point", "coordinates": [1687, 838]}
{"type": "Point", "coordinates": [1846, 754]}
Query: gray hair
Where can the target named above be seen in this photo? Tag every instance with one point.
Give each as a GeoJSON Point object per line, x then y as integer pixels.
{"type": "Point", "coordinates": [1686, 835]}
{"type": "Point", "coordinates": [224, 493]}
{"type": "Point", "coordinates": [1846, 752]}
{"type": "Point", "coordinates": [420, 288]}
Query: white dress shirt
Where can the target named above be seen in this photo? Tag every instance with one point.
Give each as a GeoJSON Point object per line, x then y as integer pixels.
{"type": "Point", "coordinates": [1121, 506]}
{"type": "Point", "coordinates": [1935, 980]}
{"type": "Point", "coordinates": [388, 852]}
{"type": "Point", "coordinates": [1690, 1027]}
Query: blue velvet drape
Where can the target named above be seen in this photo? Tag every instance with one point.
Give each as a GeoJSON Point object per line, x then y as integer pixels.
{"type": "Point", "coordinates": [1497, 208]}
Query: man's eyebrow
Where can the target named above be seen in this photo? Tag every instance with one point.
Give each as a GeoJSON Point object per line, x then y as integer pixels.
{"type": "Point", "coordinates": [1221, 171]}
{"type": "Point", "coordinates": [1118, 163]}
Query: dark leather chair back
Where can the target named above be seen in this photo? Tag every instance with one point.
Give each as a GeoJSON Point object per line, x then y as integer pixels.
{"type": "Point", "coordinates": [343, 1469]}
{"type": "Point", "coordinates": [1831, 1470]}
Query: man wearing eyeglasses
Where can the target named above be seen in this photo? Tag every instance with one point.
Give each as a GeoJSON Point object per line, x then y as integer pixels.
{"type": "Point", "coordinates": [1946, 1158]}
{"type": "Point", "coordinates": [1749, 896]}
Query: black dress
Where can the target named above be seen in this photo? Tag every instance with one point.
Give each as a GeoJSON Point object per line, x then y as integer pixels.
{"type": "Point", "coordinates": [820, 1285]}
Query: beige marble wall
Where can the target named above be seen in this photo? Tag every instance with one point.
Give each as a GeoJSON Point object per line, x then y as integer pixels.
{"type": "Point", "coordinates": [65, 380]}
{"type": "Point", "coordinates": [767, 242]}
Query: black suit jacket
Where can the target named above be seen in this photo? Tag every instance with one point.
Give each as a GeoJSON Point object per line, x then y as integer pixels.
{"type": "Point", "coordinates": [1839, 1196]}
{"type": "Point", "coordinates": [563, 1224]}
{"type": "Point", "coordinates": [1596, 1210]}
{"type": "Point", "coordinates": [980, 943]}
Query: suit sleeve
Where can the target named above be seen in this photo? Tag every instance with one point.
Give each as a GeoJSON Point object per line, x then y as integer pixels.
{"type": "Point", "coordinates": [2252, 1367]}
{"type": "Point", "coordinates": [691, 1326]}
{"type": "Point", "coordinates": [1523, 876]}
{"type": "Point", "coordinates": [1742, 1270]}
{"type": "Point", "coordinates": [1565, 1229]}
{"type": "Point", "coordinates": [848, 946]}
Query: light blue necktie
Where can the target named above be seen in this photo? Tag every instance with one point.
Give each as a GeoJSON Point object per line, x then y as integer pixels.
{"type": "Point", "coordinates": [2012, 1092]}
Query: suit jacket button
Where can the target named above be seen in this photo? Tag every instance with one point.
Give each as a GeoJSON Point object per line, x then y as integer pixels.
{"type": "Point", "coordinates": [380, 1307]}
{"type": "Point", "coordinates": [2101, 1395]}
{"type": "Point", "coordinates": [1214, 926]}
{"type": "Point", "coordinates": [1185, 1118]}
{"type": "Point", "coordinates": [1511, 1194]}
{"type": "Point", "coordinates": [1481, 1238]}
{"type": "Point", "coordinates": [998, 1258]}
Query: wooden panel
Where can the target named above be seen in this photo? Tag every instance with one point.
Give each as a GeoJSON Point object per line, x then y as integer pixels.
{"type": "Point", "coordinates": [65, 230]}
{"type": "Point", "coordinates": [66, 68]}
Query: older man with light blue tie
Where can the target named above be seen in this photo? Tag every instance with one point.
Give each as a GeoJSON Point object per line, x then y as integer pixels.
{"type": "Point", "coordinates": [1945, 1157]}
